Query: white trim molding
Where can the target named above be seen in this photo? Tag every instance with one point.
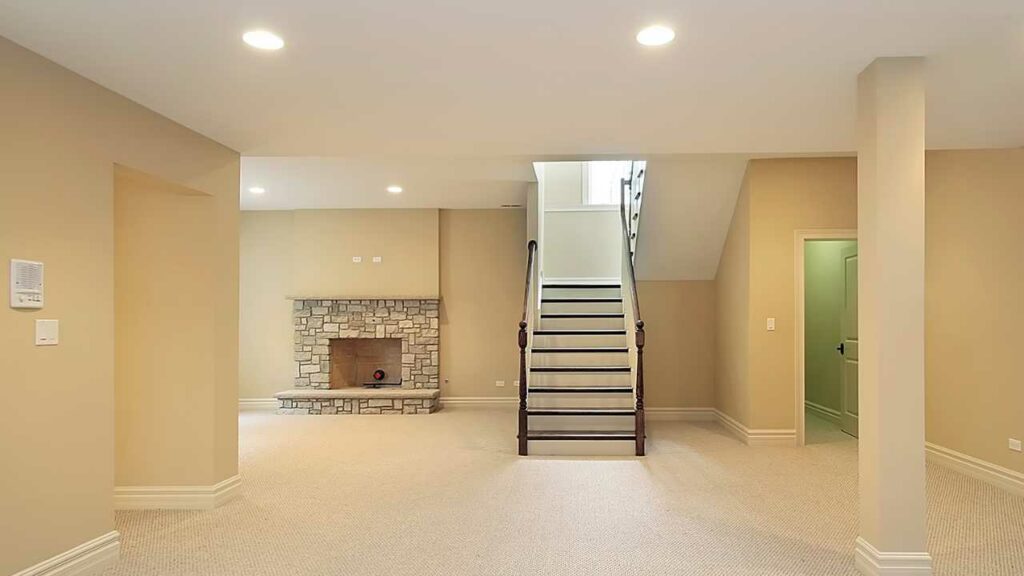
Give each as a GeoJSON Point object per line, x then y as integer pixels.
{"type": "Point", "coordinates": [258, 404]}
{"type": "Point", "coordinates": [756, 436]}
{"type": "Point", "coordinates": [680, 414]}
{"type": "Point", "coordinates": [1009, 480]}
{"type": "Point", "coordinates": [176, 497]}
{"type": "Point", "coordinates": [582, 280]}
{"type": "Point", "coordinates": [873, 562]}
{"type": "Point", "coordinates": [825, 412]}
{"type": "Point", "coordinates": [480, 401]}
{"type": "Point", "coordinates": [92, 557]}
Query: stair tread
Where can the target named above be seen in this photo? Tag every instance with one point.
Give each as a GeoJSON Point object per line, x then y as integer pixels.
{"type": "Point", "coordinates": [582, 315]}
{"type": "Point", "coordinates": [583, 332]}
{"type": "Point", "coordinates": [616, 369]}
{"type": "Point", "coordinates": [571, 350]}
{"type": "Point", "coordinates": [579, 389]}
{"type": "Point", "coordinates": [582, 299]}
{"type": "Point", "coordinates": [581, 412]}
{"type": "Point", "coordinates": [581, 435]}
{"type": "Point", "coordinates": [581, 286]}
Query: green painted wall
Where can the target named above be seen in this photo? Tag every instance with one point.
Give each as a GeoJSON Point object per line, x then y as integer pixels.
{"type": "Point", "coordinates": [823, 297]}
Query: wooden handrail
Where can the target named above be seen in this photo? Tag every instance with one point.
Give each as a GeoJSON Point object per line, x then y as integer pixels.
{"type": "Point", "coordinates": [531, 248]}
{"type": "Point", "coordinates": [627, 235]}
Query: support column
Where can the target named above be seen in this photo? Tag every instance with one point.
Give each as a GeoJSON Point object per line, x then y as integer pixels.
{"type": "Point", "coordinates": [890, 221]}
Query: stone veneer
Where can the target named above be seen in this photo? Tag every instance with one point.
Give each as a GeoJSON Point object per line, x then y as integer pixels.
{"type": "Point", "coordinates": [415, 322]}
{"type": "Point", "coordinates": [359, 401]}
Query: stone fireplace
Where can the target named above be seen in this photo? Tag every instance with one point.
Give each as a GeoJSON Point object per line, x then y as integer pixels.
{"type": "Point", "coordinates": [339, 343]}
{"type": "Point", "coordinates": [415, 323]}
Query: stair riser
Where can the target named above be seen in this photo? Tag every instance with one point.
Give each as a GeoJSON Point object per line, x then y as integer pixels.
{"type": "Point", "coordinates": [540, 379]}
{"type": "Point", "coordinates": [596, 423]}
{"type": "Point", "coordinates": [584, 307]}
{"type": "Point", "coordinates": [580, 400]}
{"type": "Point", "coordinates": [580, 359]}
{"type": "Point", "coordinates": [581, 292]}
{"type": "Point", "coordinates": [582, 323]}
{"type": "Point", "coordinates": [575, 341]}
{"type": "Point", "coordinates": [582, 447]}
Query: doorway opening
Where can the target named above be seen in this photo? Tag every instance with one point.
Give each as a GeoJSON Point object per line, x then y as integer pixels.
{"type": "Point", "coordinates": [826, 337]}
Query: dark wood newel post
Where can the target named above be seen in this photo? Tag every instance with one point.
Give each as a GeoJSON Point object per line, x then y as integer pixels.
{"type": "Point", "coordinates": [524, 339]}
{"type": "Point", "coordinates": [640, 433]}
{"type": "Point", "coordinates": [522, 389]}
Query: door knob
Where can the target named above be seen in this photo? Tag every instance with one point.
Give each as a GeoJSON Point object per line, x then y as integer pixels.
{"type": "Point", "coordinates": [841, 348]}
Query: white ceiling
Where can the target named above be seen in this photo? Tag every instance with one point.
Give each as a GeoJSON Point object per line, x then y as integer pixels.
{"type": "Point", "coordinates": [531, 77]}
{"type": "Point", "coordinates": [307, 183]}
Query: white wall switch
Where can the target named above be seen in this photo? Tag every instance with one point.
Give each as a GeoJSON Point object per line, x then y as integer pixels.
{"type": "Point", "coordinates": [357, 259]}
{"type": "Point", "coordinates": [47, 332]}
{"type": "Point", "coordinates": [771, 324]}
{"type": "Point", "coordinates": [377, 259]}
{"type": "Point", "coordinates": [1015, 445]}
{"type": "Point", "coordinates": [26, 284]}
{"type": "Point", "coordinates": [500, 383]}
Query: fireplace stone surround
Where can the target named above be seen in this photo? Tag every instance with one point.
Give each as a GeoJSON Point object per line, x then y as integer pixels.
{"type": "Point", "coordinates": [318, 322]}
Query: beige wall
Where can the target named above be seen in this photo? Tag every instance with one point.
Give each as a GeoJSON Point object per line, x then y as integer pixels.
{"type": "Point", "coordinates": [732, 315]}
{"type": "Point", "coordinates": [679, 355]}
{"type": "Point", "coordinates": [324, 242]}
{"type": "Point", "coordinates": [974, 279]}
{"type": "Point", "coordinates": [475, 258]}
{"type": "Point", "coordinates": [175, 316]}
{"type": "Point", "coordinates": [62, 136]}
{"type": "Point", "coordinates": [785, 196]}
{"type": "Point", "coordinates": [266, 336]}
{"type": "Point", "coordinates": [483, 267]}
{"type": "Point", "coordinates": [974, 273]}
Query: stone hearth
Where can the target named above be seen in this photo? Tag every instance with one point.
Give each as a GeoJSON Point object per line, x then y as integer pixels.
{"type": "Point", "coordinates": [415, 322]}
{"type": "Point", "coordinates": [358, 401]}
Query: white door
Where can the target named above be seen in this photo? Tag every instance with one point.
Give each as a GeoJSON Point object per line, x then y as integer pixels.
{"type": "Point", "coordinates": [848, 344]}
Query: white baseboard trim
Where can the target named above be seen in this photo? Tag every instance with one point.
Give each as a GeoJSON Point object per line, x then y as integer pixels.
{"type": "Point", "coordinates": [872, 562]}
{"type": "Point", "coordinates": [680, 414]}
{"type": "Point", "coordinates": [823, 411]}
{"type": "Point", "coordinates": [1009, 480]}
{"type": "Point", "coordinates": [258, 404]}
{"type": "Point", "coordinates": [176, 497]}
{"type": "Point", "coordinates": [480, 401]}
{"type": "Point", "coordinates": [92, 557]}
{"type": "Point", "coordinates": [756, 436]}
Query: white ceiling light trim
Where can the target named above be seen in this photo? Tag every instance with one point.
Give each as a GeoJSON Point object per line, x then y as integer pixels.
{"type": "Point", "coordinates": [257, 190]}
{"type": "Point", "coordinates": [656, 35]}
{"type": "Point", "coordinates": [263, 40]}
{"type": "Point", "coordinates": [394, 189]}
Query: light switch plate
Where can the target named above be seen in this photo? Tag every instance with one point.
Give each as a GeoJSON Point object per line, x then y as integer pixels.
{"type": "Point", "coordinates": [771, 325]}
{"type": "Point", "coordinates": [500, 383]}
{"type": "Point", "coordinates": [377, 259]}
{"type": "Point", "coordinates": [47, 332]}
{"type": "Point", "coordinates": [1015, 445]}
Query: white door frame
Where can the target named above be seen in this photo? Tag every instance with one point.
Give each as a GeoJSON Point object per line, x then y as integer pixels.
{"type": "Point", "coordinates": [800, 237]}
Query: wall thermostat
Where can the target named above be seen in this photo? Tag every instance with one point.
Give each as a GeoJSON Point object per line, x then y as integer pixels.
{"type": "Point", "coordinates": [26, 284]}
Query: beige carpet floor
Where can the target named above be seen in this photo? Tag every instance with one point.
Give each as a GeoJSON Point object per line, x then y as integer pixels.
{"type": "Point", "coordinates": [445, 494]}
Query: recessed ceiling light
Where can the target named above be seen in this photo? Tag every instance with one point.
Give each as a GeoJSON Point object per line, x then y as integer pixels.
{"type": "Point", "coordinates": [257, 190]}
{"type": "Point", "coordinates": [655, 35]}
{"type": "Point", "coordinates": [395, 189]}
{"type": "Point", "coordinates": [263, 40]}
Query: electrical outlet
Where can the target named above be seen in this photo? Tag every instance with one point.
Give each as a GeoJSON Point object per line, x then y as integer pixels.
{"type": "Point", "coordinates": [515, 383]}
{"type": "Point", "coordinates": [500, 383]}
{"type": "Point", "coordinates": [770, 325]}
{"type": "Point", "coordinates": [357, 259]}
{"type": "Point", "coordinates": [377, 259]}
{"type": "Point", "coordinates": [1015, 445]}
